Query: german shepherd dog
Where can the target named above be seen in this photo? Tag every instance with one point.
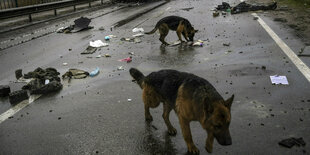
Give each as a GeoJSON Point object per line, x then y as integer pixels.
{"type": "Point", "coordinates": [192, 98]}
{"type": "Point", "coordinates": [175, 23]}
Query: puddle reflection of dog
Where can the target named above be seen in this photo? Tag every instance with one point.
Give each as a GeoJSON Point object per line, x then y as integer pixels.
{"type": "Point", "coordinates": [192, 98]}
{"type": "Point", "coordinates": [181, 25]}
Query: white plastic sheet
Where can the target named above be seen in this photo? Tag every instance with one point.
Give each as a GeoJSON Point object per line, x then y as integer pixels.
{"type": "Point", "coordinates": [97, 43]}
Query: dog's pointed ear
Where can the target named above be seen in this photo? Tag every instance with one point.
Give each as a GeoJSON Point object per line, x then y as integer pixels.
{"type": "Point", "coordinates": [196, 31]}
{"type": "Point", "coordinates": [229, 101]}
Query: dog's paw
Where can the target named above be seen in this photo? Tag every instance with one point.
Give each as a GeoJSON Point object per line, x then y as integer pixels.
{"type": "Point", "coordinates": [193, 150]}
{"type": "Point", "coordinates": [172, 131]}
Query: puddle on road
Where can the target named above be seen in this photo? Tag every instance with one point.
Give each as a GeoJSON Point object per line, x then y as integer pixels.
{"type": "Point", "coordinates": [152, 143]}
{"type": "Point", "coordinates": [175, 56]}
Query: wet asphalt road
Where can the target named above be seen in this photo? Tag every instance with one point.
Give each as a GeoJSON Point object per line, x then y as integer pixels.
{"type": "Point", "coordinates": [94, 116]}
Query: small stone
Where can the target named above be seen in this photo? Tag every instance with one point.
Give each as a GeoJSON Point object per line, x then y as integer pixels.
{"type": "Point", "coordinates": [59, 118]}
{"type": "Point", "coordinates": [263, 67]}
{"type": "Point", "coordinates": [262, 124]}
{"type": "Point", "coordinates": [51, 111]}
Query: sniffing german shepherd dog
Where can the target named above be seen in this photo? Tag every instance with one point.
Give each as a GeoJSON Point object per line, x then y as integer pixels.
{"type": "Point", "coordinates": [175, 23]}
{"type": "Point", "coordinates": [192, 98]}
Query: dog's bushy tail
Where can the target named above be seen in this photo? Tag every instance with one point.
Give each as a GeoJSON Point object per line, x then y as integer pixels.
{"type": "Point", "coordinates": [137, 75]}
{"type": "Point", "coordinates": [151, 32]}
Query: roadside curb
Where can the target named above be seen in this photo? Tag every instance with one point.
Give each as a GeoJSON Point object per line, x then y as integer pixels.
{"type": "Point", "coordinates": [134, 16]}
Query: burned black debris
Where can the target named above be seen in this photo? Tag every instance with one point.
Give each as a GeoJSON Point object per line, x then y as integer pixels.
{"type": "Point", "coordinates": [18, 96]}
{"type": "Point", "coordinates": [45, 81]}
{"type": "Point", "coordinates": [4, 90]}
{"type": "Point", "coordinates": [290, 142]}
{"type": "Point", "coordinates": [245, 7]}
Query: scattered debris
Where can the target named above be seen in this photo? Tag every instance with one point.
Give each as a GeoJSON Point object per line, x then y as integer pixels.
{"type": "Point", "coordinates": [226, 44]}
{"type": "Point", "coordinates": [245, 7]}
{"type": "Point", "coordinates": [4, 90]}
{"type": "Point", "coordinates": [120, 68]}
{"type": "Point", "coordinates": [107, 55]}
{"type": "Point", "coordinates": [135, 30]}
{"type": "Point", "coordinates": [276, 79]}
{"type": "Point", "coordinates": [216, 13]}
{"type": "Point", "coordinates": [89, 50]}
{"type": "Point", "coordinates": [18, 96]}
{"type": "Point", "coordinates": [75, 73]}
{"type": "Point", "coordinates": [129, 59]}
{"type": "Point", "coordinates": [101, 28]}
{"type": "Point", "coordinates": [137, 40]}
{"type": "Point", "coordinates": [255, 18]}
{"type": "Point", "coordinates": [198, 43]}
{"type": "Point", "coordinates": [131, 53]}
{"type": "Point", "coordinates": [290, 142]}
{"type": "Point", "coordinates": [66, 29]}
{"type": "Point", "coordinates": [64, 64]}
{"type": "Point", "coordinates": [98, 43]}
{"type": "Point", "coordinates": [138, 35]}
{"type": "Point", "coordinates": [38, 86]}
{"type": "Point", "coordinates": [178, 42]}
{"type": "Point", "coordinates": [107, 38]}
{"type": "Point", "coordinates": [98, 56]}
{"type": "Point", "coordinates": [94, 72]}
{"type": "Point", "coordinates": [263, 67]}
{"type": "Point", "coordinates": [18, 73]}
{"type": "Point", "coordinates": [81, 24]}
{"type": "Point", "coordinates": [187, 9]}
{"type": "Point", "coordinates": [129, 100]}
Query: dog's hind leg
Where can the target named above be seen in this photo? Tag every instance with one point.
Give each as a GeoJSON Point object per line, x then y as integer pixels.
{"type": "Point", "coordinates": [151, 100]}
{"type": "Point", "coordinates": [167, 109]}
{"type": "Point", "coordinates": [186, 131]}
{"type": "Point", "coordinates": [163, 30]}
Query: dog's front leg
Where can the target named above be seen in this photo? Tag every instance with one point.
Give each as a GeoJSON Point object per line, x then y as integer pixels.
{"type": "Point", "coordinates": [186, 131]}
{"type": "Point", "coordinates": [209, 142]}
{"type": "Point", "coordinates": [185, 35]}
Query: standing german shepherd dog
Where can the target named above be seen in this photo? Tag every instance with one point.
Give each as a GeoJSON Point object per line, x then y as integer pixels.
{"type": "Point", "coordinates": [193, 99]}
{"type": "Point", "coordinates": [175, 23]}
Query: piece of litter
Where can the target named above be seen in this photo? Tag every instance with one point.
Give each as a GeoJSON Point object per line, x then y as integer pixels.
{"type": "Point", "coordinates": [290, 142]}
{"type": "Point", "coordinates": [226, 44]}
{"type": "Point", "coordinates": [178, 42]}
{"type": "Point", "coordinates": [198, 43]}
{"type": "Point", "coordinates": [129, 59]}
{"type": "Point", "coordinates": [47, 81]}
{"type": "Point", "coordinates": [135, 30]}
{"type": "Point", "coordinates": [215, 14]}
{"type": "Point", "coordinates": [120, 68]}
{"type": "Point", "coordinates": [97, 43]}
{"type": "Point", "coordinates": [98, 56]}
{"type": "Point", "coordinates": [279, 80]}
{"type": "Point", "coordinates": [107, 38]}
{"type": "Point", "coordinates": [107, 55]}
{"type": "Point", "coordinates": [137, 40]}
{"type": "Point", "coordinates": [255, 18]}
{"type": "Point", "coordinates": [138, 35]}
{"type": "Point", "coordinates": [94, 72]}
{"type": "Point", "coordinates": [131, 53]}
{"type": "Point", "coordinates": [65, 64]}
{"type": "Point", "coordinates": [89, 50]}
{"type": "Point", "coordinates": [129, 100]}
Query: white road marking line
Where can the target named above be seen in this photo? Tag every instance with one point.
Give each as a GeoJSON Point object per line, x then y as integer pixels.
{"type": "Point", "coordinates": [17, 108]}
{"type": "Point", "coordinates": [301, 66]}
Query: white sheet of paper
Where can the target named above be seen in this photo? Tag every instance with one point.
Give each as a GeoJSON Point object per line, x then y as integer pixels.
{"type": "Point", "coordinates": [279, 80]}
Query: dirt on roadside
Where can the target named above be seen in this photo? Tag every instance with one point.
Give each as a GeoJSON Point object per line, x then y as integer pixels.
{"type": "Point", "coordinates": [294, 14]}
